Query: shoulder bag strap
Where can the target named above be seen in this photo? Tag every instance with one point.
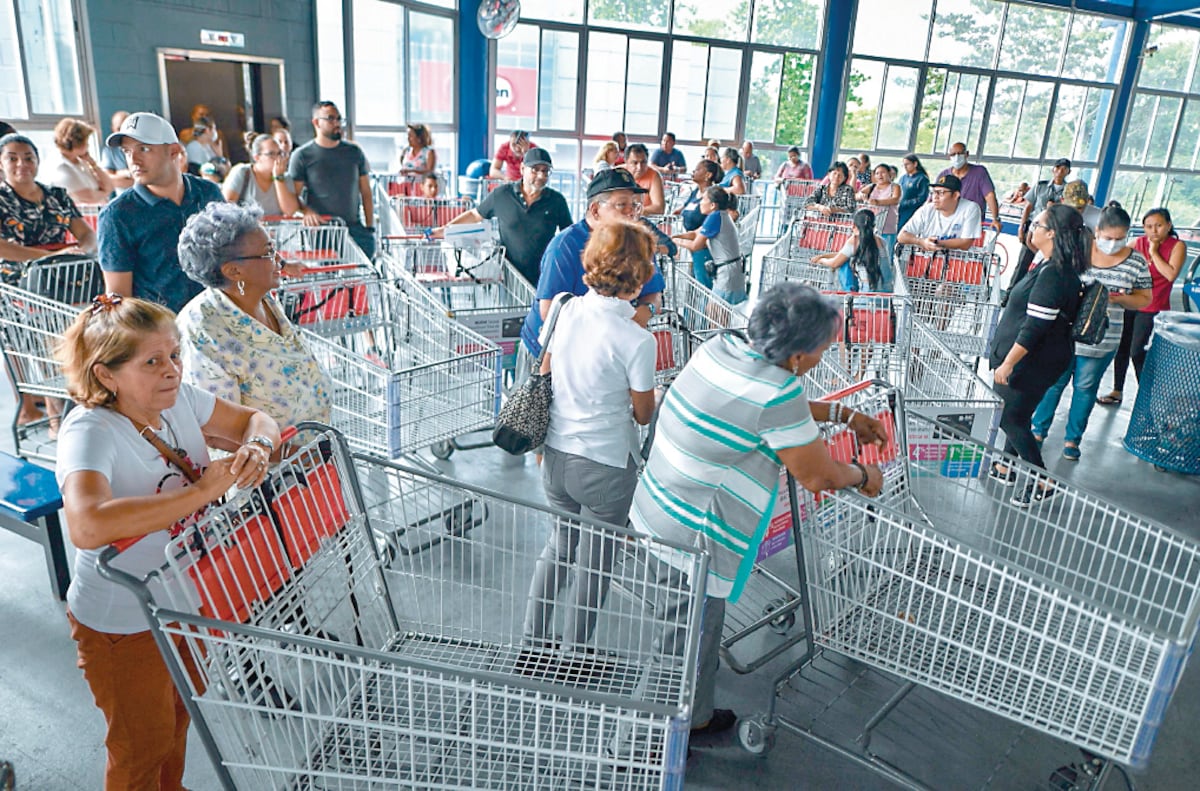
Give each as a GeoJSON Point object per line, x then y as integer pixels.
{"type": "Point", "coordinates": [548, 329]}
{"type": "Point", "coordinates": [170, 454]}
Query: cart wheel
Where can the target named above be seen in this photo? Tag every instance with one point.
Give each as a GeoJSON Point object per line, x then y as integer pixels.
{"type": "Point", "coordinates": [442, 450]}
{"type": "Point", "coordinates": [781, 624]}
{"type": "Point", "coordinates": [386, 544]}
{"type": "Point", "coordinates": [755, 736]}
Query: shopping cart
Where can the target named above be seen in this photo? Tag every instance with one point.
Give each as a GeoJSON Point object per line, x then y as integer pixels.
{"type": "Point", "coordinates": [1068, 623]}
{"type": "Point", "coordinates": [404, 375]}
{"type": "Point", "coordinates": [31, 326]}
{"type": "Point", "coordinates": [314, 246]}
{"type": "Point", "coordinates": [417, 214]}
{"type": "Point", "coordinates": [487, 186]}
{"type": "Point", "coordinates": [795, 193]}
{"type": "Point", "coordinates": [790, 258]}
{"type": "Point", "coordinates": [398, 184]}
{"type": "Point", "coordinates": [442, 264]}
{"type": "Point", "coordinates": [953, 293]}
{"type": "Point", "coordinates": [701, 312]}
{"type": "Point", "coordinates": [317, 665]}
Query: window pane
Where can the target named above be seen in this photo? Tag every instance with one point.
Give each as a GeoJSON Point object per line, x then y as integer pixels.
{"type": "Point", "coordinates": [789, 23]}
{"type": "Point", "coordinates": [862, 104]}
{"type": "Point", "coordinates": [689, 76]}
{"type": "Point", "coordinates": [1137, 128]}
{"type": "Point", "coordinates": [1006, 113]}
{"type": "Point", "coordinates": [12, 81]}
{"type": "Point", "coordinates": [1182, 197]}
{"type": "Point", "coordinates": [1164, 127]}
{"type": "Point", "coordinates": [625, 14]}
{"type": "Point", "coordinates": [794, 100]}
{"type": "Point", "coordinates": [1174, 60]}
{"type": "Point", "coordinates": [605, 107]}
{"type": "Point", "coordinates": [378, 63]}
{"type": "Point", "coordinates": [952, 110]}
{"type": "Point", "coordinates": [1093, 53]}
{"type": "Point", "coordinates": [1136, 191]}
{"type": "Point", "coordinates": [1008, 176]}
{"type": "Point", "coordinates": [899, 100]}
{"type": "Point", "coordinates": [552, 10]}
{"type": "Point", "coordinates": [517, 79]}
{"type": "Point", "coordinates": [1033, 39]}
{"type": "Point", "coordinates": [880, 30]}
{"type": "Point", "coordinates": [1188, 139]}
{"type": "Point", "coordinates": [1078, 127]}
{"type": "Point", "coordinates": [431, 69]}
{"type": "Point", "coordinates": [642, 93]}
{"type": "Point", "coordinates": [721, 105]}
{"type": "Point", "coordinates": [51, 63]}
{"type": "Point", "coordinates": [965, 33]}
{"type": "Point", "coordinates": [720, 19]}
{"type": "Point", "coordinates": [1035, 112]}
{"type": "Point", "coordinates": [762, 105]}
{"type": "Point", "coordinates": [559, 81]}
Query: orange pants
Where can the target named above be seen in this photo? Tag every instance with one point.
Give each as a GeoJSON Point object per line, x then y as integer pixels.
{"type": "Point", "coordinates": [147, 721]}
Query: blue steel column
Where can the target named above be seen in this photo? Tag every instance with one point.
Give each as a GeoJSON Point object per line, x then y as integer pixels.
{"type": "Point", "coordinates": [475, 96]}
{"type": "Point", "coordinates": [1112, 151]}
{"type": "Point", "coordinates": [835, 51]}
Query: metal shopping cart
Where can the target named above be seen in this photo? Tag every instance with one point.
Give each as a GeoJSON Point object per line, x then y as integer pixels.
{"type": "Point", "coordinates": [790, 258]}
{"type": "Point", "coordinates": [404, 375]}
{"type": "Point", "coordinates": [487, 186]}
{"type": "Point", "coordinates": [314, 246]}
{"type": "Point", "coordinates": [318, 666]}
{"type": "Point", "coordinates": [416, 214]}
{"type": "Point", "coordinates": [953, 293]}
{"type": "Point", "coordinates": [31, 326]}
{"type": "Point", "coordinates": [796, 193]}
{"type": "Point", "coordinates": [939, 614]}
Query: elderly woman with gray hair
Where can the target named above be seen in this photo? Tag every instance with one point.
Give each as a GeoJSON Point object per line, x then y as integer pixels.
{"type": "Point", "coordinates": [236, 341]}
{"type": "Point", "coordinates": [736, 412]}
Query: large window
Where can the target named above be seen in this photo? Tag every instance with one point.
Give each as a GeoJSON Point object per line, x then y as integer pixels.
{"type": "Point", "coordinates": [40, 57]}
{"type": "Point", "coordinates": [1159, 152]}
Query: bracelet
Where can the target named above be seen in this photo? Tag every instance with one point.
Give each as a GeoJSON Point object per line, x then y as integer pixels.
{"type": "Point", "coordinates": [865, 477]}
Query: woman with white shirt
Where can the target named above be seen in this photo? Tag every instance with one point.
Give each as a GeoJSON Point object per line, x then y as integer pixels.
{"type": "Point", "coordinates": [84, 180]}
{"type": "Point", "coordinates": [603, 367]}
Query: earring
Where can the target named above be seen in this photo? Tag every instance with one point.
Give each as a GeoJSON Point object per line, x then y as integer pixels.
{"type": "Point", "coordinates": [241, 285]}
{"type": "Point", "coordinates": [796, 369]}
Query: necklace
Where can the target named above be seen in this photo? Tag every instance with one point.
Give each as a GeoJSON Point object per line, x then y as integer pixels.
{"type": "Point", "coordinates": [171, 440]}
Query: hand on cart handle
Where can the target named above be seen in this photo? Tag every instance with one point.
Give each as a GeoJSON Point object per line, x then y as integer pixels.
{"type": "Point", "coordinates": [312, 218]}
{"type": "Point", "coordinates": [874, 484]}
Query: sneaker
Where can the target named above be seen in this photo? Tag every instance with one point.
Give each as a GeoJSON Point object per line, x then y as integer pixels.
{"type": "Point", "coordinates": [1007, 478]}
{"type": "Point", "coordinates": [1071, 452]}
{"type": "Point", "coordinates": [1024, 499]}
{"type": "Point", "coordinates": [1044, 493]}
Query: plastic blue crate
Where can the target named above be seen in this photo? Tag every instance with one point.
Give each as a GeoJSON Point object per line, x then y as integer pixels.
{"type": "Point", "coordinates": [1164, 428]}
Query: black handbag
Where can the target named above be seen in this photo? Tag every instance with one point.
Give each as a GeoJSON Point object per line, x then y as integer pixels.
{"type": "Point", "coordinates": [524, 419]}
{"type": "Point", "coordinates": [1092, 320]}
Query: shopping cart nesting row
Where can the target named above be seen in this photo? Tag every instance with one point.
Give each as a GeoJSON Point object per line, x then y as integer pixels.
{"type": "Point", "coordinates": [796, 193]}
{"type": "Point", "coordinates": [329, 244]}
{"type": "Point", "coordinates": [1071, 619]}
{"type": "Point", "coordinates": [304, 661]}
{"type": "Point", "coordinates": [416, 214]}
{"type": "Point", "coordinates": [790, 257]}
{"type": "Point", "coordinates": [404, 375]}
{"type": "Point", "coordinates": [954, 293]}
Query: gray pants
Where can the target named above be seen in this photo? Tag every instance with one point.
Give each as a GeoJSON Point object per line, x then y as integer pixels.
{"type": "Point", "coordinates": [594, 491]}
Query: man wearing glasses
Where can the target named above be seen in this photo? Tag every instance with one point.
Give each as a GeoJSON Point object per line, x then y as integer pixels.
{"type": "Point", "coordinates": [332, 178]}
{"type": "Point", "coordinates": [613, 196]}
{"type": "Point", "coordinates": [945, 223]}
{"type": "Point", "coordinates": [529, 213]}
{"type": "Point", "coordinates": [139, 229]}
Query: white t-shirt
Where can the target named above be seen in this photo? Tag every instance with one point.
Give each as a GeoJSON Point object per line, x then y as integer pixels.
{"type": "Point", "coordinates": [106, 442]}
{"type": "Point", "coordinates": [598, 355]}
{"type": "Point", "coordinates": [73, 178]}
{"type": "Point", "coordinates": [964, 223]}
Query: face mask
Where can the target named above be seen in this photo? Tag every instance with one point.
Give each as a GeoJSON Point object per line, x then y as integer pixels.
{"type": "Point", "coordinates": [1109, 246]}
{"type": "Point", "coordinates": [958, 160]}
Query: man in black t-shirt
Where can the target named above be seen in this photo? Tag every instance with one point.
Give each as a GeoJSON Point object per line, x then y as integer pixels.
{"type": "Point", "coordinates": [529, 213]}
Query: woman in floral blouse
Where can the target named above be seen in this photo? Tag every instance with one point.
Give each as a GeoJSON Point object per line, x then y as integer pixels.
{"type": "Point", "coordinates": [33, 214]}
{"type": "Point", "coordinates": [237, 343]}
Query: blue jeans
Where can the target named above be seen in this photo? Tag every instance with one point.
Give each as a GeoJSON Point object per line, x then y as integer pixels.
{"type": "Point", "coordinates": [1087, 372]}
{"type": "Point", "coordinates": [364, 237]}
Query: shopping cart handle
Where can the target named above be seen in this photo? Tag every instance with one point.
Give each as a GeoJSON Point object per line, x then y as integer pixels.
{"type": "Point", "coordinates": [848, 391]}
{"type": "Point", "coordinates": [312, 270]}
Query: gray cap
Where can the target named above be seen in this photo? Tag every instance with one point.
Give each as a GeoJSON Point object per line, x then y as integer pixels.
{"type": "Point", "coordinates": [145, 128]}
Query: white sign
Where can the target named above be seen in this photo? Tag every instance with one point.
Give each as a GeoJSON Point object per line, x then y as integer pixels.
{"type": "Point", "coordinates": [222, 38]}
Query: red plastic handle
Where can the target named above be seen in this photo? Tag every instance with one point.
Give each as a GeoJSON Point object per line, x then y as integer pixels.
{"type": "Point", "coordinates": [312, 270]}
{"type": "Point", "coordinates": [851, 390]}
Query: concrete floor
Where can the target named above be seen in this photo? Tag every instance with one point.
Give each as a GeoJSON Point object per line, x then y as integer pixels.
{"type": "Point", "coordinates": [52, 733]}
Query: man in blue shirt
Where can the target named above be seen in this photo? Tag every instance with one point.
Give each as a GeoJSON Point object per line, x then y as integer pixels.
{"type": "Point", "coordinates": [139, 230]}
{"type": "Point", "coordinates": [613, 196]}
{"type": "Point", "coordinates": [668, 159]}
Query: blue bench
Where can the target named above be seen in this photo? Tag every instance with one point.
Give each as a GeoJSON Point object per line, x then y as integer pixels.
{"type": "Point", "coordinates": [29, 505]}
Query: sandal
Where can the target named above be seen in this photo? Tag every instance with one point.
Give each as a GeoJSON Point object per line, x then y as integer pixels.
{"type": "Point", "coordinates": [1112, 399]}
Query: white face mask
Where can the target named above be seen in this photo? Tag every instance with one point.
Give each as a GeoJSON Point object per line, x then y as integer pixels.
{"type": "Point", "coordinates": [1110, 246]}
{"type": "Point", "coordinates": [958, 160]}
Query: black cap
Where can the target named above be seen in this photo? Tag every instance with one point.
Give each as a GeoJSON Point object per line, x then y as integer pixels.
{"type": "Point", "coordinates": [1062, 162]}
{"type": "Point", "coordinates": [537, 156]}
{"type": "Point", "coordinates": [949, 181]}
{"type": "Point", "coordinates": [612, 180]}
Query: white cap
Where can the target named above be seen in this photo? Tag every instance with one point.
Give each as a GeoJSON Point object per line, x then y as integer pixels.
{"type": "Point", "coordinates": [145, 128]}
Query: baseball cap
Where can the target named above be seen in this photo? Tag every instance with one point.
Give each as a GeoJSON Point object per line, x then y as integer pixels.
{"type": "Point", "coordinates": [537, 156]}
{"type": "Point", "coordinates": [949, 181]}
{"type": "Point", "coordinates": [145, 128]}
{"type": "Point", "coordinates": [1062, 162]}
{"type": "Point", "coordinates": [1075, 194]}
{"type": "Point", "coordinates": [612, 180]}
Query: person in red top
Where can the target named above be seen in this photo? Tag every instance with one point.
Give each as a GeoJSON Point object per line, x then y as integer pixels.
{"type": "Point", "coordinates": [507, 164]}
{"type": "Point", "coordinates": [1164, 251]}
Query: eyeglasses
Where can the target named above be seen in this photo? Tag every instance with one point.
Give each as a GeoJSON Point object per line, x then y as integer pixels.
{"type": "Point", "coordinates": [1041, 225]}
{"type": "Point", "coordinates": [625, 207]}
{"type": "Point", "coordinates": [271, 255]}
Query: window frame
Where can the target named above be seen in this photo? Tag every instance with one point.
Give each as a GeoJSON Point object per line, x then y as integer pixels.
{"type": "Point", "coordinates": [89, 106]}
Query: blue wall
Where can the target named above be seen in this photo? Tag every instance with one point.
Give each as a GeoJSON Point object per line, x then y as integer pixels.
{"type": "Point", "coordinates": [126, 34]}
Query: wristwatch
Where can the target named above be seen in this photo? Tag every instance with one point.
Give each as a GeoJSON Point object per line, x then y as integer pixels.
{"type": "Point", "coordinates": [865, 479]}
{"type": "Point", "coordinates": [263, 442]}
{"type": "Point", "coordinates": [649, 306]}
